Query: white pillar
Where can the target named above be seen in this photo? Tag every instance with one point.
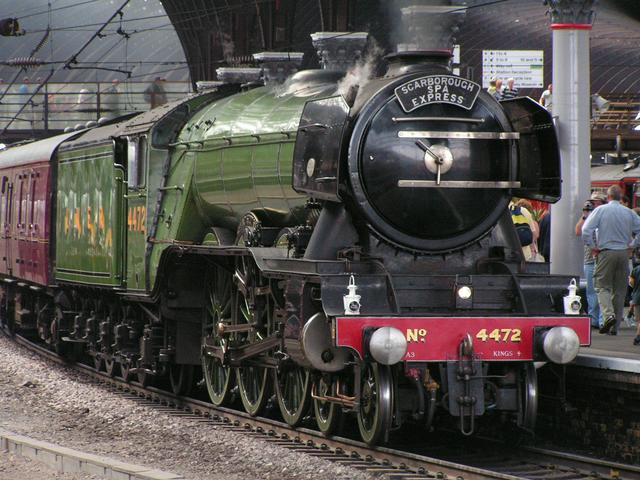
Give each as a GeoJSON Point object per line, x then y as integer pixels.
{"type": "Point", "coordinates": [571, 24]}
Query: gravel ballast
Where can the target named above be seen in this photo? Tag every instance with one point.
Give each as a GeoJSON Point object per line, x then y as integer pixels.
{"type": "Point", "coordinates": [58, 405]}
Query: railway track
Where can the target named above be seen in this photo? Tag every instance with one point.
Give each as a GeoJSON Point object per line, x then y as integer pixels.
{"type": "Point", "coordinates": [491, 460]}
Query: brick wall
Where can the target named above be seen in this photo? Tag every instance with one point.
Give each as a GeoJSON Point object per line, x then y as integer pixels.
{"type": "Point", "coordinates": [601, 414]}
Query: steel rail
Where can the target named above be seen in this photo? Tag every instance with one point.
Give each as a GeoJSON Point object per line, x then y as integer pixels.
{"type": "Point", "coordinates": [395, 464]}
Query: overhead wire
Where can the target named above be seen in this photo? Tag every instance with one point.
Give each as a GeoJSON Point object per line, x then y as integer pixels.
{"type": "Point", "coordinates": [194, 14]}
{"type": "Point", "coordinates": [35, 50]}
{"type": "Point", "coordinates": [26, 10]}
{"type": "Point", "coordinates": [77, 4]}
{"type": "Point", "coordinates": [191, 15]}
{"type": "Point", "coordinates": [68, 63]}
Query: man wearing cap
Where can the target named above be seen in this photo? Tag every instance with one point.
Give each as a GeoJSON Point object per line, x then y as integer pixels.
{"type": "Point", "coordinates": [609, 231]}
{"type": "Point", "coordinates": [589, 264]}
{"type": "Point", "coordinates": [598, 198]}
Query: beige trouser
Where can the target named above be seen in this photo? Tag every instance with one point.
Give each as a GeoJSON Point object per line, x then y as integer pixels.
{"type": "Point", "coordinates": [610, 278]}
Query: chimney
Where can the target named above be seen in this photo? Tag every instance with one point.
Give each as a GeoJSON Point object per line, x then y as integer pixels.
{"type": "Point", "coordinates": [431, 27]}
{"type": "Point", "coordinates": [406, 62]}
{"type": "Point", "coordinates": [339, 51]}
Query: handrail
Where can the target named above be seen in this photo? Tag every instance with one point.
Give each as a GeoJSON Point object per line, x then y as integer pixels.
{"type": "Point", "coordinates": [60, 105]}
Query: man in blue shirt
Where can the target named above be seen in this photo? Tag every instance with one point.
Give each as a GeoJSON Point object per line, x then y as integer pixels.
{"type": "Point", "coordinates": [609, 231]}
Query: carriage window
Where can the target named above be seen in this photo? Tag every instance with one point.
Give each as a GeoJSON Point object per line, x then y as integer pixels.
{"type": "Point", "coordinates": [8, 201]}
{"type": "Point", "coordinates": [21, 201]}
{"type": "Point", "coordinates": [4, 187]}
{"type": "Point", "coordinates": [32, 199]}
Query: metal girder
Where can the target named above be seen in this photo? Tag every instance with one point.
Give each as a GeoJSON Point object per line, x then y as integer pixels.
{"type": "Point", "coordinates": [571, 11]}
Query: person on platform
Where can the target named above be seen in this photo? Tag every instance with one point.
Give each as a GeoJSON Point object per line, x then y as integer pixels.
{"type": "Point", "coordinates": [499, 89]}
{"type": "Point", "coordinates": [546, 100]}
{"type": "Point", "coordinates": [634, 283]}
{"type": "Point", "coordinates": [635, 262]}
{"type": "Point", "coordinates": [155, 95]}
{"type": "Point", "coordinates": [528, 211]}
{"type": "Point", "coordinates": [110, 104]}
{"type": "Point", "coordinates": [510, 90]}
{"type": "Point", "coordinates": [492, 87]}
{"type": "Point", "coordinates": [24, 90]}
{"type": "Point", "coordinates": [85, 106]}
{"type": "Point", "coordinates": [494, 90]}
{"type": "Point", "coordinates": [609, 231]}
{"type": "Point", "coordinates": [544, 241]}
{"type": "Point", "coordinates": [589, 265]}
{"type": "Point", "coordinates": [24, 97]}
{"type": "Point", "coordinates": [524, 223]}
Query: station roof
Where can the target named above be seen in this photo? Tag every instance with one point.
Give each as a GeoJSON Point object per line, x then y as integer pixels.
{"type": "Point", "coordinates": [524, 25]}
{"type": "Point", "coordinates": [151, 49]}
{"type": "Point", "coordinates": [207, 33]}
{"type": "Point", "coordinates": [602, 173]}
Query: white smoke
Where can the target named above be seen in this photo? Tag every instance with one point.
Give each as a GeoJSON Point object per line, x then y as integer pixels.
{"type": "Point", "coordinates": [363, 70]}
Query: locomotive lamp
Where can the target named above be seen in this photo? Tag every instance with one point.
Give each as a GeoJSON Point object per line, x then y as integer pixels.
{"type": "Point", "coordinates": [465, 292]}
{"type": "Point", "coordinates": [388, 345]}
{"type": "Point", "coordinates": [351, 300]}
{"type": "Point", "coordinates": [572, 302]}
{"type": "Point", "coordinates": [560, 344]}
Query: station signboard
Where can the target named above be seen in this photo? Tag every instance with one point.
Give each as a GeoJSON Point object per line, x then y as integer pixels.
{"type": "Point", "coordinates": [525, 66]}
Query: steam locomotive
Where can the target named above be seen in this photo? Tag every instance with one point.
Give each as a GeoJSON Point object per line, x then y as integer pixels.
{"type": "Point", "coordinates": [337, 254]}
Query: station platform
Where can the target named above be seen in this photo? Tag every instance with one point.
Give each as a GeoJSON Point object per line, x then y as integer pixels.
{"type": "Point", "coordinates": [612, 352]}
{"type": "Point", "coordinates": [596, 405]}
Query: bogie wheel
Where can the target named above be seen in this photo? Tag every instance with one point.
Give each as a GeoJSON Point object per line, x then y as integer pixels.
{"type": "Point", "coordinates": [293, 392]}
{"type": "Point", "coordinates": [125, 369]}
{"type": "Point", "coordinates": [97, 362]}
{"type": "Point", "coordinates": [220, 302]}
{"type": "Point", "coordinates": [253, 380]}
{"type": "Point", "coordinates": [376, 402]}
{"type": "Point", "coordinates": [111, 366]}
{"type": "Point", "coordinates": [327, 413]}
{"type": "Point", "coordinates": [528, 389]}
{"type": "Point", "coordinates": [181, 378]}
{"type": "Point", "coordinates": [144, 378]}
{"type": "Point", "coordinates": [58, 345]}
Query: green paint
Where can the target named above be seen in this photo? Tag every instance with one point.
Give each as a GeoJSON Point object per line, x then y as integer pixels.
{"type": "Point", "coordinates": [232, 156]}
{"type": "Point", "coordinates": [89, 236]}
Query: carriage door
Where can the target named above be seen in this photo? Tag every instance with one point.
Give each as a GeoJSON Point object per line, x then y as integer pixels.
{"type": "Point", "coordinates": [137, 151]}
{"type": "Point", "coordinates": [6, 188]}
{"type": "Point", "coordinates": [20, 250]}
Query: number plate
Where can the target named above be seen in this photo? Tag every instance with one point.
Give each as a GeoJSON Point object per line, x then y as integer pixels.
{"type": "Point", "coordinates": [437, 89]}
{"type": "Point", "coordinates": [433, 339]}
